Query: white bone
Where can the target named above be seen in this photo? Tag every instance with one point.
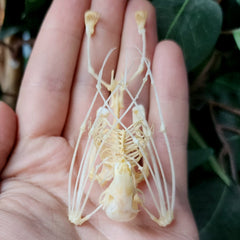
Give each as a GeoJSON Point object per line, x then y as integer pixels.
{"type": "Point", "coordinates": [118, 157]}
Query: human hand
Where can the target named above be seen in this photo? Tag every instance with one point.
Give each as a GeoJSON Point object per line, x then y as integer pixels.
{"type": "Point", "coordinates": [52, 104]}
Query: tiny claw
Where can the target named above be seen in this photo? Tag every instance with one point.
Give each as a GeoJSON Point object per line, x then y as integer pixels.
{"type": "Point", "coordinates": [91, 19]}
{"type": "Point", "coordinates": [165, 220]}
{"type": "Point", "coordinates": [141, 17]}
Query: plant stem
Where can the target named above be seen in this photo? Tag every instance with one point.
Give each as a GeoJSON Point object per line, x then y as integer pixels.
{"type": "Point", "coordinates": [176, 18]}
{"type": "Point", "coordinates": [212, 160]}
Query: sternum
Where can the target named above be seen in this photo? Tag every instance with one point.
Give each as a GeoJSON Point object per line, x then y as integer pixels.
{"type": "Point", "coordinates": [118, 145]}
{"type": "Point", "coordinates": [122, 142]}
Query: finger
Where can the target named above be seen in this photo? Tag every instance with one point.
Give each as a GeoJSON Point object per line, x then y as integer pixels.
{"type": "Point", "coordinates": [170, 77]}
{"type": "Point", "coordinates": [8, 128]}
{"type": "Point", "coordinates": [107, 36]}
{"type": "Point", "coordinates": [130, 57]}
{"type": "Point", "coordinates": [44, 94]}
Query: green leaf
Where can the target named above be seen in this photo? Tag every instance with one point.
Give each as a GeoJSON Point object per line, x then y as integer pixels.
{"type": "Point", "coordinates": [224, 95]}
{"type": "Point", "coordinates": [234, 143]}
{"type": "Point", "coordinates": [197, 157]}
{"type": "Point", "coordinates": [195, 25]}
{"type": "Point", "coordinates": [225, 221]}
{"type": "Point", "coordinates": [195, 136]}
{"type": "Point", "coordinates": [226, 90]}
{"type": "Point", "coordinates": [204, 193]}
{"type": "Point", "coordinates": [236, 35]}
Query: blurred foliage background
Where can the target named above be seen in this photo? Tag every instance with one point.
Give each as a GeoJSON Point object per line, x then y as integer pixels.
{"type": "Point", "coordinates": [209, 33]}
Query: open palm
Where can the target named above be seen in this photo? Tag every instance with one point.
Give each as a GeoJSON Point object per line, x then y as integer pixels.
{"type": "Point", "coordinates": [53, 101]}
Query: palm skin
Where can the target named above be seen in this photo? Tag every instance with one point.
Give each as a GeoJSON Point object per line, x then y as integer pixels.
{"type": "Point", "coordinates": [36, 143]}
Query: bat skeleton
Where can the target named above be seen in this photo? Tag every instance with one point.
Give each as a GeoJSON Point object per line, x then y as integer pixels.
{"type": "Point", "coordinates": [119, 159]}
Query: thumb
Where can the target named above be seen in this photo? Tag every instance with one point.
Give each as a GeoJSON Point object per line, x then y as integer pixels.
{"type": "Point", "coordinates": [8, 127]}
